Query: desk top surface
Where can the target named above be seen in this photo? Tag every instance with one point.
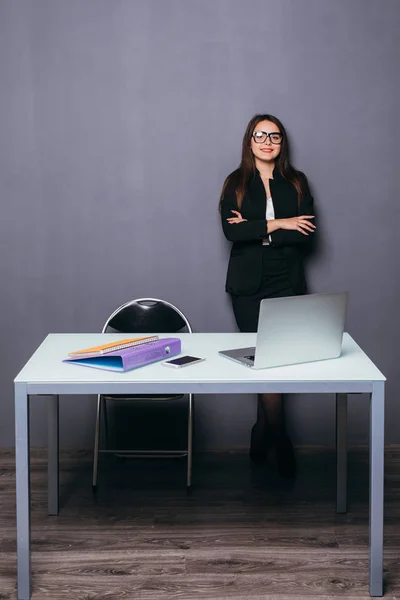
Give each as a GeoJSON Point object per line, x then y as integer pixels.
{"type": "Point", "coordinates": [46, 366]}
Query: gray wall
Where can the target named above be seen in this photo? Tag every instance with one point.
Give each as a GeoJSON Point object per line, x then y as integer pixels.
{"type": "Point", "coordinates": [119, 121]}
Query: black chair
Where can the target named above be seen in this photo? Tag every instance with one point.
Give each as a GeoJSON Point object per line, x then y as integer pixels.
{"type": "Point", "coordinates": [144, 315]}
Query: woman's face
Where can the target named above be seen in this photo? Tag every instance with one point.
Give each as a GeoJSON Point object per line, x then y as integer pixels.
{"type": "Point", "coordinates": [266, 148]}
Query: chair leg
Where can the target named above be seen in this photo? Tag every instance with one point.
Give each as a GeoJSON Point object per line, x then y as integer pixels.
{"type": "Point", "coordinates": [96, 444]}
{"type": "Point", "coordinates": [105, 419]}
{"type": "Point", "coordinates": [190, 444]}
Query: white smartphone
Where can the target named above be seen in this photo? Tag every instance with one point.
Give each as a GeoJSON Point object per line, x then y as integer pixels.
{"type": "Point", "coordinates": [182, 361]}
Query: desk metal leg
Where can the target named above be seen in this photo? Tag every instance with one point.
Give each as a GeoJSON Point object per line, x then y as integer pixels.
{"type": "Point", "coordinates": [376, 465]}
{"type": "Point", "coordinates": [22, 459]}
{"type": "Point", "coordinates": [53, 456]}
{"type": "Point", "coordinates": [341, 453]}
{"type": "Point", "coordinates": [190, 445]}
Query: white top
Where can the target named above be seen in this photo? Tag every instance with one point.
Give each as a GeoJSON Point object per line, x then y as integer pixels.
{"type": "Point", "coordinates": [45, 371]}
{"type": "Point", "coordinates": [270, 214]}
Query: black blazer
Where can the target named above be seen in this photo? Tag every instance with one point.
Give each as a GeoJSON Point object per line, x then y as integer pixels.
{"type": "Point", "coordinates": [245, 263]}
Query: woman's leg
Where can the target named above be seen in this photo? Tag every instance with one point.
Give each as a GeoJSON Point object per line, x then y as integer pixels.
{"type": "Point", "coordinates": [270, 425]}
{"type": "Point", "coordinates": [259, 438]}
{"type": "Point", "coordinates": [270, 430]}
{"type": "Point", "coordinates": [274, 415]}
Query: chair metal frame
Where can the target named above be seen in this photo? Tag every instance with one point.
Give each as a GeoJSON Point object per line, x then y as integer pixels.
{"type": "Point", "coordinates": [102, 410]}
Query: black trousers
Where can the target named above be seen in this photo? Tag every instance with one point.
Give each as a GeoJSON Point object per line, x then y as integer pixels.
{"type": "Point", "coordinates": [274, 284]}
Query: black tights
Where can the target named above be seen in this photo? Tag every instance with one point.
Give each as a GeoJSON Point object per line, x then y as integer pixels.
{"type": "Point", "coordinates": [271, 416]}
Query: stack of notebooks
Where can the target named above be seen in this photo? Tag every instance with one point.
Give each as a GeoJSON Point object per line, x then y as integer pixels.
{"type": "Point", "coordinates": [127, 354]}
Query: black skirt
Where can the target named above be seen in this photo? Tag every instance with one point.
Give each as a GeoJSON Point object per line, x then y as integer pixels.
{"type": "Point", "coordinates": [274, 284]}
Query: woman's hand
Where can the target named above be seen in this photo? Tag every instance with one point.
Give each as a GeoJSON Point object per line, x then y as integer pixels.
{"type": "Point", "coordinates": [301, 224]}
{"type": "Point", "coordinates": [237, 219]}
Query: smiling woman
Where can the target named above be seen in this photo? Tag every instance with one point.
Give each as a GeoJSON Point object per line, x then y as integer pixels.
{"type": "Point", "coordinates": [267, 213]}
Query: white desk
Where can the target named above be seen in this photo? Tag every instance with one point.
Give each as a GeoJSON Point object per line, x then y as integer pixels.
{"type": "Point", "coordinates": [46, 374]}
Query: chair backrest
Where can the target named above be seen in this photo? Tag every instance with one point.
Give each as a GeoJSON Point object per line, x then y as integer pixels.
{"type": "Point", "coordinates": [147, 315]}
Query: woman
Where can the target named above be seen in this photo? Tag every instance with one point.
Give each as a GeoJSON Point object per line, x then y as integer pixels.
{"type": "Point", "coordinates": [266, 211]}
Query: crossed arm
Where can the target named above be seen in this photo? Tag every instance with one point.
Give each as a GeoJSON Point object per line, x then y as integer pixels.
{"type": "Point", "coordinates": [283, 232]}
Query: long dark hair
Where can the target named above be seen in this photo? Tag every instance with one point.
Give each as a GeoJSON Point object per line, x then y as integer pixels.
{"type": "Point", "coordinates": [247, 167]}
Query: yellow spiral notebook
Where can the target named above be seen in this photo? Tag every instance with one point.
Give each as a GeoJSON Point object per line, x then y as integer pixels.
{"type": "Point", "coordinates": [113, 346]}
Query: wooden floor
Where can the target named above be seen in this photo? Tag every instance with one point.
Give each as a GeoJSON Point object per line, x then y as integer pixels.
{"type": "Point", "coordinates": [242, 534]}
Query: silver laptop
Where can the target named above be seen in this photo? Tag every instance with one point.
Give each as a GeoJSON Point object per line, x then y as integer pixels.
{"type": "Point", "coordinates": [296, 329]}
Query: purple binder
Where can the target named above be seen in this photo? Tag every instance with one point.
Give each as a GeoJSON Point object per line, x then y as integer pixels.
{"type": "Point", "coordinates": [132, 358]}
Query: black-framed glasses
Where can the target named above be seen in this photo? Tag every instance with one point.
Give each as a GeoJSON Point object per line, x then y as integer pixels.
{"type": "Point", "coordinates": [261, 136]}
